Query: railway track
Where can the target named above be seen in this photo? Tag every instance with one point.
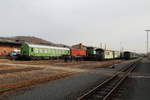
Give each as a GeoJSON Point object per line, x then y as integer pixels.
{"type": "Point", "coordinates": [107, 89]}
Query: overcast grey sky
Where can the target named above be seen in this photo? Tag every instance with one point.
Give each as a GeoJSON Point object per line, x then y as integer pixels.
{"type": "Point", "coordinates": [74, 21]}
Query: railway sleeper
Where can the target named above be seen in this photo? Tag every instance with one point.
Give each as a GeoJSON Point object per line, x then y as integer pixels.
{"type": "Point", "coordinates": [109, 86]}
{"type": "Point", "coordinates": [104, 92]}
{"type": "Point", "coordinates": [106, 89]}
{"type": "Point", "coordinates": [112, 87]}
{"type": "Point", "coordinates": [96, 97]}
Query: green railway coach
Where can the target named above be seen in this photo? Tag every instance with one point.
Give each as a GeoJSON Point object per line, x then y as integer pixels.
{"type": "Point", "coordinates": [34, 51]}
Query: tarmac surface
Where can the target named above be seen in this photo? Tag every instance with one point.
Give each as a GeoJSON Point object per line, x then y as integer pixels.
{"type": "Point", "coordinates": [70, 87]}
{"type": "Point", "coordinates": [137, 87]}
{"type": "Point", "coordinates": [63, 88]}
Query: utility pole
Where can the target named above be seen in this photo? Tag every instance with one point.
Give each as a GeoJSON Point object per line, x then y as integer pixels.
{"type": "Point", "coordinates": [147, 41]}
{"type": "Point", "coordinates": [105, 46]}
{"type": "Point", "coordinates": [101, 45]}
{"type": "Point", "coordinates": [121, 47]}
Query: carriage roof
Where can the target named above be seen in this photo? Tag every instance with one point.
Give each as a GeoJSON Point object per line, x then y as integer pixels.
{"type": "Point", "coordinates": [46, 46]}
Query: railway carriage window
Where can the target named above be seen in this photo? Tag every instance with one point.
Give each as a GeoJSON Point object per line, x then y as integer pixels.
{"type": "Point", "coordinates": [32, 49]}
{"type": "Point", "coordinates": [36, 50]}
{"type": "Point", "coordinates": [62, 51]}
{"type": "Point", "coordinates": [107, 53]}
{"type": "Point", "coordinates": [41, 50]}
{"type": "Point", "coordinates": [50, 50]}
{"type": "Point", "coordinates": [45, 50]}
{"type": "Point", "coordinates": [53, 51]}
{"type": "Point", "coordinates": [59, 51]}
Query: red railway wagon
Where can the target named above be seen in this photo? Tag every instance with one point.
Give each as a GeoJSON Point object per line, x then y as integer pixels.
{"type": "Point", "coordinates": [77, 52]}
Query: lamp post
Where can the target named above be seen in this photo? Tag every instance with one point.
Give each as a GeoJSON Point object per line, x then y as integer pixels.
{"type": "Point", "coordinates": [147, 40]}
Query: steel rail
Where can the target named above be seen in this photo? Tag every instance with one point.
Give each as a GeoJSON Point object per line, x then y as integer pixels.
{"type": "Point", "coordinates": [120, 82]}
{"type": "Point", "coordinates": [127, 70]}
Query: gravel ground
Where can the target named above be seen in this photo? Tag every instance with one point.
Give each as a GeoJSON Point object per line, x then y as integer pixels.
{"type": "Point", "coordinates": [69, 87]}
{"type": "Point", "coordinates": [143, 66]}
{"type": "Point", "coordinates": [10, 73]}
{"type": "Point", "coordinates": [137, 87]}
{"type": "Point", "coordinates": [62, 89]}
{"type": "Point", "coordinates": [117, 66]}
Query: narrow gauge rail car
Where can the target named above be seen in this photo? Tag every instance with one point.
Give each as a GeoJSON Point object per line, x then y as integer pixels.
{"type": "Point", "coordinates": [99, 54]}
{"type": "Point", "coordinates": [104, 54]}
{"type": "Point", "coordinates": [130, 55]}
{"type": "Point", "coordinates": [116, 54]}
{"type": "Point", "coordinates": [37, 52]}
{"type": "Point", "coordinates": [108, 54]}
{"type": "Point", "coordinates": [121, 55]}
{"type": "Point", "coordinates": [91, 53]}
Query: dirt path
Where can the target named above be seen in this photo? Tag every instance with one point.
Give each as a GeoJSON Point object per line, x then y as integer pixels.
{"type": "Point", "coordinates": [14, 75]}
{"type": "Point", "coordinates": [19, 70]}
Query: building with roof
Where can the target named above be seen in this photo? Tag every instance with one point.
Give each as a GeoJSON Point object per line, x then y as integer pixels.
{"type": "Point", "coordinates": [79, 46]}
{"type": "Point", "coordinates": [7, 46]}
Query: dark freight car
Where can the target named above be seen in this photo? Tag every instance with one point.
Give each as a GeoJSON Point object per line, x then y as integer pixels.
{"type": "Point", "coordinates": [91, 53]}
{"type": "Point", "coordinates": [130, 55]}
